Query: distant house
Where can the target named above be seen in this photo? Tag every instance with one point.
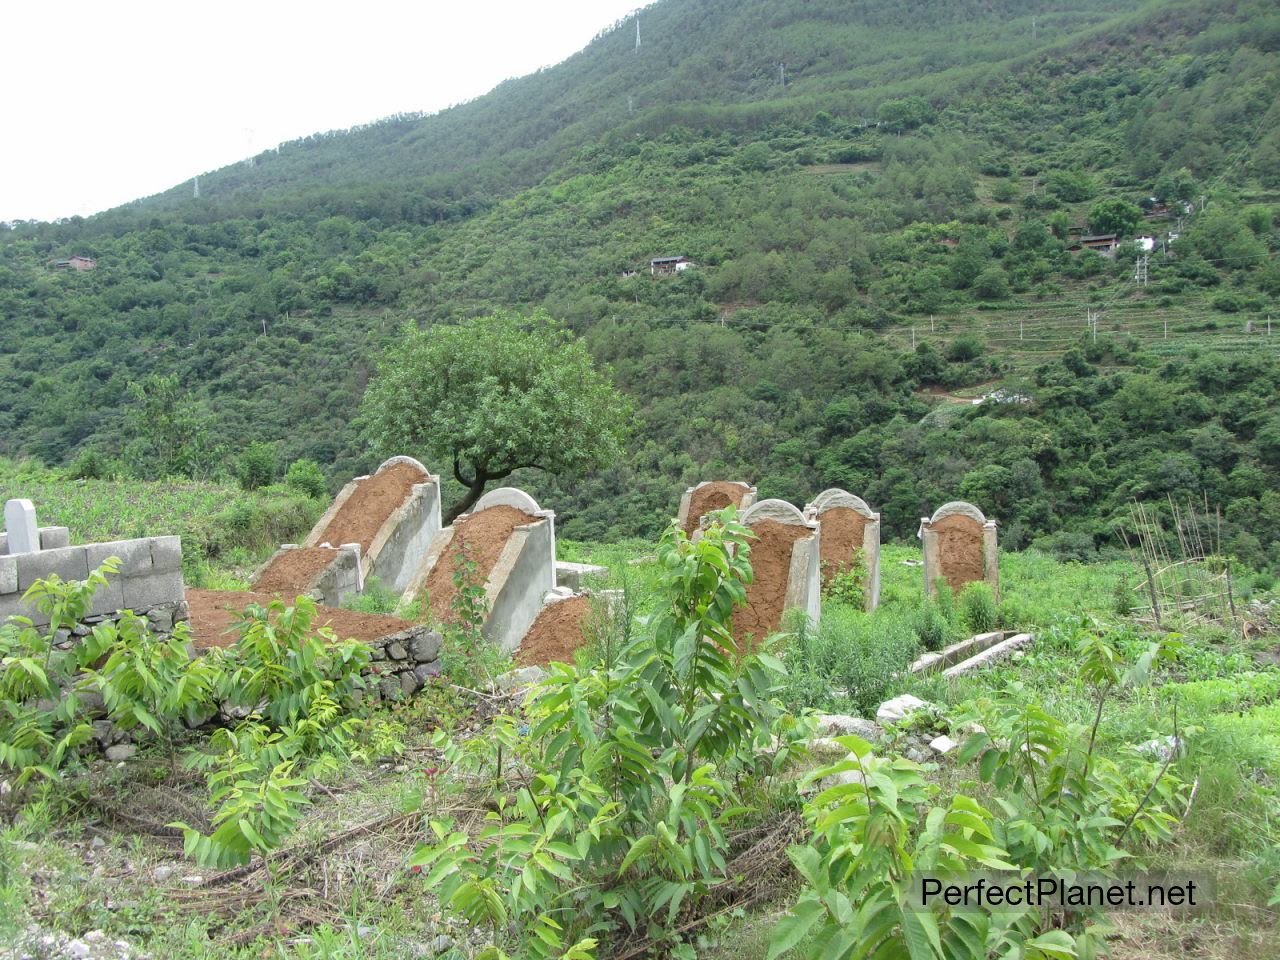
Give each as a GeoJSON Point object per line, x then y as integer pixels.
{"type": "Point", "coordinates": [1103, 243]}
{"type": "Point", "coordinates": [1145, 244]}
{"type": "Point", "coordinates": [75, 263]}
{"type": "Point", "coordinates": [665, 266]}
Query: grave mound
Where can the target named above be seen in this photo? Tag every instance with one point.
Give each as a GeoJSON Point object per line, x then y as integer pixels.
{"type": "Point", "coordinates": [842, 532]}
{"type": "Point", "coordinates": [369, 506]}
{"type": "Point", "coordinates": [761, 613]}
{"type": "Point", "coordinates": [959, 550]}
{"type": "Point", "coordinates": [214, 614]}
{"type": "Point", "coordinates": [479, 537]}
{"type": "Point", "coordinates": [295, 571]}
{"type": "Point", "coordinates": [712, 496]}
{"type": "Point", "coordinates": [557, 633]}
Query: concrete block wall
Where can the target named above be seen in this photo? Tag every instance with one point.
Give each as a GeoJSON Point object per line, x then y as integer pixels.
{"type": "Point", "coordinates": [150, 575]}
{"type": "Point", "coordinates": [51, 538]}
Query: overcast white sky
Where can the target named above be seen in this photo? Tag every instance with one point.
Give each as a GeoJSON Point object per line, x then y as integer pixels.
{"type": "Point", "coordinates": [107, 102]}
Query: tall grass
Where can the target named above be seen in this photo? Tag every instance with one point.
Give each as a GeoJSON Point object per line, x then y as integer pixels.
{"type": "Point", "coordinates": [222, 525]}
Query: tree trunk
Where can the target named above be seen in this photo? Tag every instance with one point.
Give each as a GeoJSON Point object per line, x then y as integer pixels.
{"type": "Point", "coordinates": [475, 487]}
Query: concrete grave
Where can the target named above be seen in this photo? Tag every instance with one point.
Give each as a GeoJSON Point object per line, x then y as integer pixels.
{"type": "Point", "coordinates": [710, 496]}
{"type": "Point", "coordinates": [960, 547]}
{"type": "Point", "coordinates": [848, 525]}
{"type": "Point", "coordinates": [519, 578]}
{"type": "Point", "coordinates": [379, 525]}
{"type": "Point", "coordinates": [786, 568]}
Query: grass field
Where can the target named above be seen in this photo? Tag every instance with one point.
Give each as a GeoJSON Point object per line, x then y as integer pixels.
{"type": "Point", "coordinates": [78, 860]}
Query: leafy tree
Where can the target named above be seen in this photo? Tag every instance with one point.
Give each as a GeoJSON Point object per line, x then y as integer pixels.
{"type": "Point", "coordinates": [493, 395]}
{"type": "Point", "coordinates": [170, 430]}
{"type": "Point", "coordinates": [904, 114]}
{"type": "Point", "coordinates": [1114, 215]}
{"type": "Point", "coordinates": [992, 283]}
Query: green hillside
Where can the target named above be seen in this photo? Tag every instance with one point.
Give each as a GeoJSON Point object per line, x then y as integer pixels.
{"type": "Point", "coordinates": [880, 199]}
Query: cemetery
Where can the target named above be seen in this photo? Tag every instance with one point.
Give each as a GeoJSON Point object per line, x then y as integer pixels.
{"type": "Point", "coordinates": [387, 526]}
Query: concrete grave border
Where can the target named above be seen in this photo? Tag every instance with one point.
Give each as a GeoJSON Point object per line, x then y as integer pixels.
{"type": "Point", "coordinates": [804, 578]}
{"type": "Point", "coordinates": [929, 543]}
{"type": "Point", "coordinates": [524, 573]}
{"type": "Point", "coordinates": [342, 578]}
{"type": "Point", "coordinates": [400, 544]}
{"type": "Point", "coordinates": [834, 497]}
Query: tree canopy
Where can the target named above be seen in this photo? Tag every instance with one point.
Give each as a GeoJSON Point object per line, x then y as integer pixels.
{"type": "Point", "coordinates": [493, 395]}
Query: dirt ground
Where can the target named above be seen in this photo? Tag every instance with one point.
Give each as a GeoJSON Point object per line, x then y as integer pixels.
{"type": "Point", "coordinates": [556, 634]}
{"type": "Point", "coordinates": [840, 540]}
{"type": "Point", "coordinates": [214, 613]}
{"type": "Point", "coordinates": [480, 537]}
{"type": "Point", "coordinates": [960, 550]}
{"type": "Point", "coordinates": [373, 501]}
{"type": "Point", "coordinates": [708, 499]}
{"type": "Point", "coordinates": [295, 570]}
{"type": "Point", "coordinates": [761, 614]}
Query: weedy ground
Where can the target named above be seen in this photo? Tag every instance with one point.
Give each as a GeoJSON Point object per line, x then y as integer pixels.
{"type": "Point", "coordinates": [96, 854]}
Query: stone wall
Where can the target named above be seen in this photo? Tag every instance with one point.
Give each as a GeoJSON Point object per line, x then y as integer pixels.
{"type": "Point", "coordinates": [150, 575]}
{"type": "Point", "coordinates": [403, 663]}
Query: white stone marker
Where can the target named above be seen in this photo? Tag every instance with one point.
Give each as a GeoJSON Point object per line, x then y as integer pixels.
{"type": "Point", "coordinates": [20, 525]}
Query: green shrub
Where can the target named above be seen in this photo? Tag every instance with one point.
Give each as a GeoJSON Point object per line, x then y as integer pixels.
{"type": "Point", "coordinates": [629, 776]}
{"type": "Point", "coordinates": [257, 466]}
{"type": "Point", "coordinates": [92, 465]}
{"type": "Point", "coordinates": [978, 610]}
{"type": "Point", "coordinates": [306, 476]}
{"type": "Point", "coordinates": [854, 654]}
{"type": "Point", "coordinates": [849, 586]}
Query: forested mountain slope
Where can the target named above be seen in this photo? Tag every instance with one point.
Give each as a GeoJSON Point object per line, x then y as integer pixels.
{"type": "Point", "coordinates": [886, 234]}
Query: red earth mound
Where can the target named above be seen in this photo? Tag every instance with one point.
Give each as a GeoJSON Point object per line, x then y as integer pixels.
{"type": "Point", "coordinates": [761, 614]}
{"type": "Point", "coordinates": [479, 537]}
{"type": "Point", "coordinates": [214, 613]}
{"type": "Point", "coordinates": [960, 550]}
{"type": "Point", "coordinates": [556, 634]}
{"type": "Point", "coordinates": [294, 571]}
{"type": "Point", "coordinates": [374, 499]}
{"type": "Point", "coordinates": [840, 541]}
{"type": "Point", "coordinates": [712, 497]}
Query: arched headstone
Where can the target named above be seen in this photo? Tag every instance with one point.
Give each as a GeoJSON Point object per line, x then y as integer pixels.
{"type": "Point", "coordinates": [786, 569]}
{"type": "Point", "coordinates": [848, 526]}
{"type": "Point", "coordinates": [960, 547]}
{"type": "Point", "coordinates": [710, 496]}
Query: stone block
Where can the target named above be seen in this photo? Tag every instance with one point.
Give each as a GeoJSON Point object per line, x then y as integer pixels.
{"type": "Point", "coordinates": [891, 711]}
{"type": "Point", "coordinates": [20, 525]}
{"type": "Point", "coordinates": [409, 683]}
{"type": "Point", "coordinates": [69, 563]}
{"type": "Point", "coordinates": [108, 599]}
{"type": "Point", "coordinates": [425, 647]}
{"type": "Point", "coordinates": [575, 575]}
{"type": "Point", "coordinates": [134, 556]}
{"type": "Point", "coordinates": [54, 538]}
{"type": "Point", "coordinates": [425, 671]}
{"type": "Point", "coordinates": [166, 554]}
{"type": "Point", "coordinates": [143, 593]}
{"type": "Point", "coordinates": [396, 651]}
{"type": "Point", "coordinates": [8, 574]}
